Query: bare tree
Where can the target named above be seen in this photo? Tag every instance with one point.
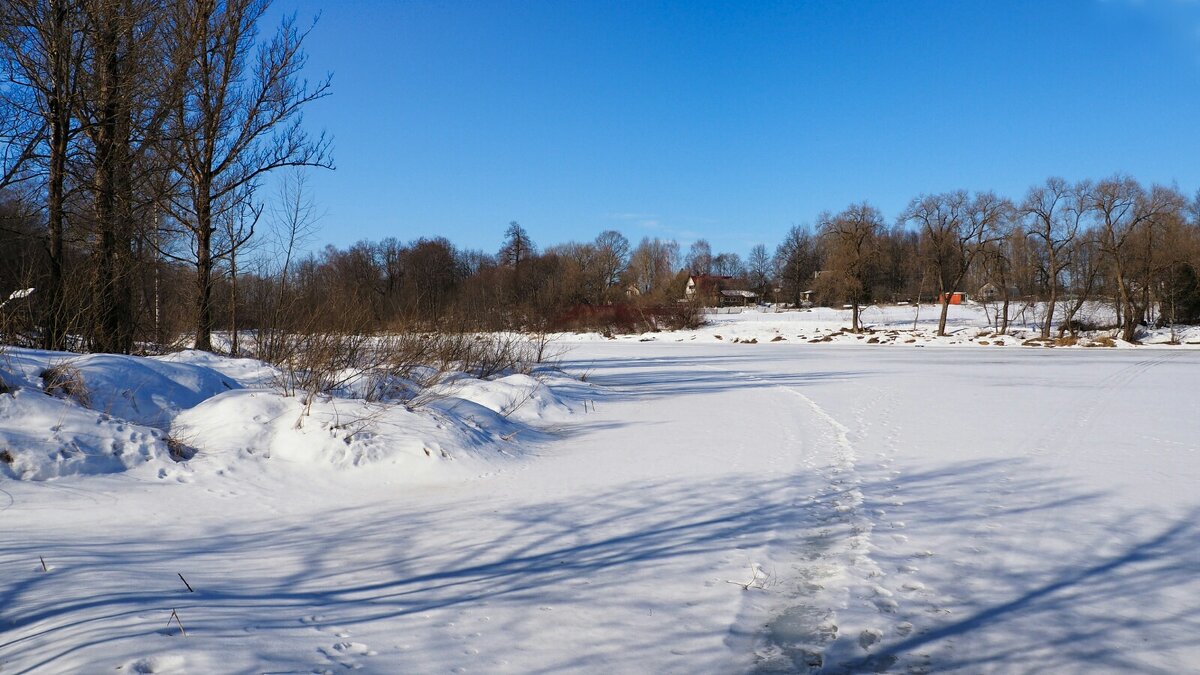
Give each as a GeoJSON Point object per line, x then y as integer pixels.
{"type": "Point", "coordinates": [652, 265]}
{"type": "Point", "coordinates": [238, 119]}
{"type": "Point", "coordinates": [759, 269]}
{"type": "Point", "coordinates": [1054, 214]}
{"type": "Point", "coordinates": [699, 258]}
{"type": "Point", "coordinates": [955, 228]}
{"type": "Point", "coordinates": [728, 265]}
{"type": "Point", "coordinates": [797, 259]}
{"type": "Point", "coordinates": [129, 79]}
{"type": "Point", "coordinates": [612, 258]}
{"type": "Point", "coordinates": [1123, 210]}
{"type": "Point", "coordinates": [292, 218]}
{"type": "Point", "coordinates": [851, 243]}
{"type": "Point", "coordinates": [43, 52]}
{"type": "Point", "coordinates": [516, 251]}
{"type": "Point", "coordinates": [237, 228]}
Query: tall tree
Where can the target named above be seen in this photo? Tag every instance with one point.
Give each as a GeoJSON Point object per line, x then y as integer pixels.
{"type": "Point", "coordinates": [129, 80]}
{"type": "Point", "coordinates": [516, 251]}
{"type": "Point", "coordinates": [238, 119]}
{"type": "Point", "coordinates": [759, 269]}
{"type": "Point", "coordinates": [1054, 214]}
{"type": "Point", "coordinates": [1123, 210]}
{"type": "Point", "coordinates": [41, 46]}
{"type": "Point", "coordinates": [954, 229]}
{"type": "Point", "coordinates": [652, 265]}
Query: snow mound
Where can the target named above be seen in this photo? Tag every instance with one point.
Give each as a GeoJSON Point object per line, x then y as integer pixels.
{"type": "Point", "coordinates": [236, 427]}
{"type": "Point", "coordinates": [517, 397]}
{"type": "Point", "coordinates": [43, 437]}
{"type": "Point", "coordinates": [145, 391]}
{"type": "Point", "coordinates": [246, 372]}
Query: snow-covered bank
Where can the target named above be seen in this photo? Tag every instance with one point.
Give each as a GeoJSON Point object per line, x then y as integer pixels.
{"type": "Point", "coordinates": [902, 325]}
{"type": "Point", "coordinates": [69, 414]}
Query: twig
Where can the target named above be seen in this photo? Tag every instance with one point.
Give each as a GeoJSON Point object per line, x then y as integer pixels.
{"type": "Point", "coordinates": [185, 583]}
{"type": "Point", "coordinates": [510, 436]}
{"type": "Point", "coordinates": [175, 615]}
{"type": "Point", "coordinates": [749, 584]}
{"type": "Point", "coordinates": [44, 568]}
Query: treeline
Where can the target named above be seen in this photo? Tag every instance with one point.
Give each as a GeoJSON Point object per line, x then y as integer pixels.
{"type": "Point", "coordinates": [135, 136]}
{"type": "Point", "coordinates": [1062, 245]}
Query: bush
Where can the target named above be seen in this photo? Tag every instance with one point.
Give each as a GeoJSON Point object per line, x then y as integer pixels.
{"type": "Point", "coordinates": [64, 379]}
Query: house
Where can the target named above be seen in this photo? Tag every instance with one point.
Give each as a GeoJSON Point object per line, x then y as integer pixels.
{"type": "Point", "coordinates": [988, 292]}
{"type": "Point", "coordinates": [705, 288]}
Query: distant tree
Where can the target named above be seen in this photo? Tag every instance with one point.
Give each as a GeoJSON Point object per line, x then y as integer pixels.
{"type": "Point", "coordinates": [699, 259]}
{"type": "Point", "coordinates": [515, 253]}
{"type": "Point", "coordinates": [759, 270]}
{"type": "Point", "coordinates": [612, 258]}
{"type": "Point", "coordinates": [1124, 209]}
{"type": "Point", "coordinates": [652, 266]}
{"type": "Point", "coordinates": [851, 239]}
{"type": "Point", "coordinates": [1054, 214]}
{"type": "Point", "coordinates": [955, 228]}
{"type": "Point", "coordinates": [797, 259]}
{"type": "Point", "coordinates": [728, 265]}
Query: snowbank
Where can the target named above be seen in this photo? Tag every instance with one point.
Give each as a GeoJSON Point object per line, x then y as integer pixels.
{"type": "Point", "coordinates": [43, 437]}
{"type": "Point", "coordinates": [68, 414]}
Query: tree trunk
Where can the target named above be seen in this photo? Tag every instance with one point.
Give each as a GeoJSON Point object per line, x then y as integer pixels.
{"type": "Point", "coordinates": [57, 106]}
{"type": "Point", "coordinates": [1128, 316]}
{"type": "Point", "coordinates": [1046, 323]}
{"type": "Point", "coordinates": [233, 303]}
{"type": "Point", "coordinates": [204, 265]}
{"type": "Point", "coordinates": [945, 300]}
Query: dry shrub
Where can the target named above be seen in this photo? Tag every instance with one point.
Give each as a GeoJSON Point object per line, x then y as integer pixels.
{"type": "Point", "coordinates": [401, 365]}
{"type": "Point", "coordinates": [64, 379]}
{"type": "Point", "coordinates": [1066, 341]}
{"type": "Point", "coordinates": [178, 450]}
{"type": "Point", "coordinates": [320, 362]}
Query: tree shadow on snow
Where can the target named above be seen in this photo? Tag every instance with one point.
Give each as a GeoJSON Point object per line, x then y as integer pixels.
{"type": "Point", "coordinates": [1121, 592]}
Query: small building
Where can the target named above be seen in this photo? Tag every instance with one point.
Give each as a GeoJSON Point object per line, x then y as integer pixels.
{"type": "Point", "coordinates": [956, 298]}
{"type": "Point", "coordinates": [732, 298]}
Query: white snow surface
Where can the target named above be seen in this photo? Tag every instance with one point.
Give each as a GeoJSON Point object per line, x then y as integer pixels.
{"type": "Point", "coordinates": [696, 506]}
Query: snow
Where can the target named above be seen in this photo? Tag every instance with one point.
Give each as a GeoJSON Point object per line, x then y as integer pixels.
{"type": "Point", "coordinates": [696, 505]}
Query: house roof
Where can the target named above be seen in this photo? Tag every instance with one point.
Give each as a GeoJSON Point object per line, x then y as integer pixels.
{"type": "Point", "coordinates": [739, 294]}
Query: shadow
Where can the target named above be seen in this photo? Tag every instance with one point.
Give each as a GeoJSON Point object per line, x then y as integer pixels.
{"type": "Point", "coordinates": [1033, 575]}
{"type": "Point", "coordinates": [1098, 602]}
{"type": "Point", "coordinates": [658, 377]}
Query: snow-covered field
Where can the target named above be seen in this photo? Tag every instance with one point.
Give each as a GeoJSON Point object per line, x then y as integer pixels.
{"type": "Point", "coordinates": [698, 505]}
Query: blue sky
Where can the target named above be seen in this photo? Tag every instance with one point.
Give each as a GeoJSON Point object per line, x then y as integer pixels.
{"type": "Point", "coordinates": [732, 121]}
